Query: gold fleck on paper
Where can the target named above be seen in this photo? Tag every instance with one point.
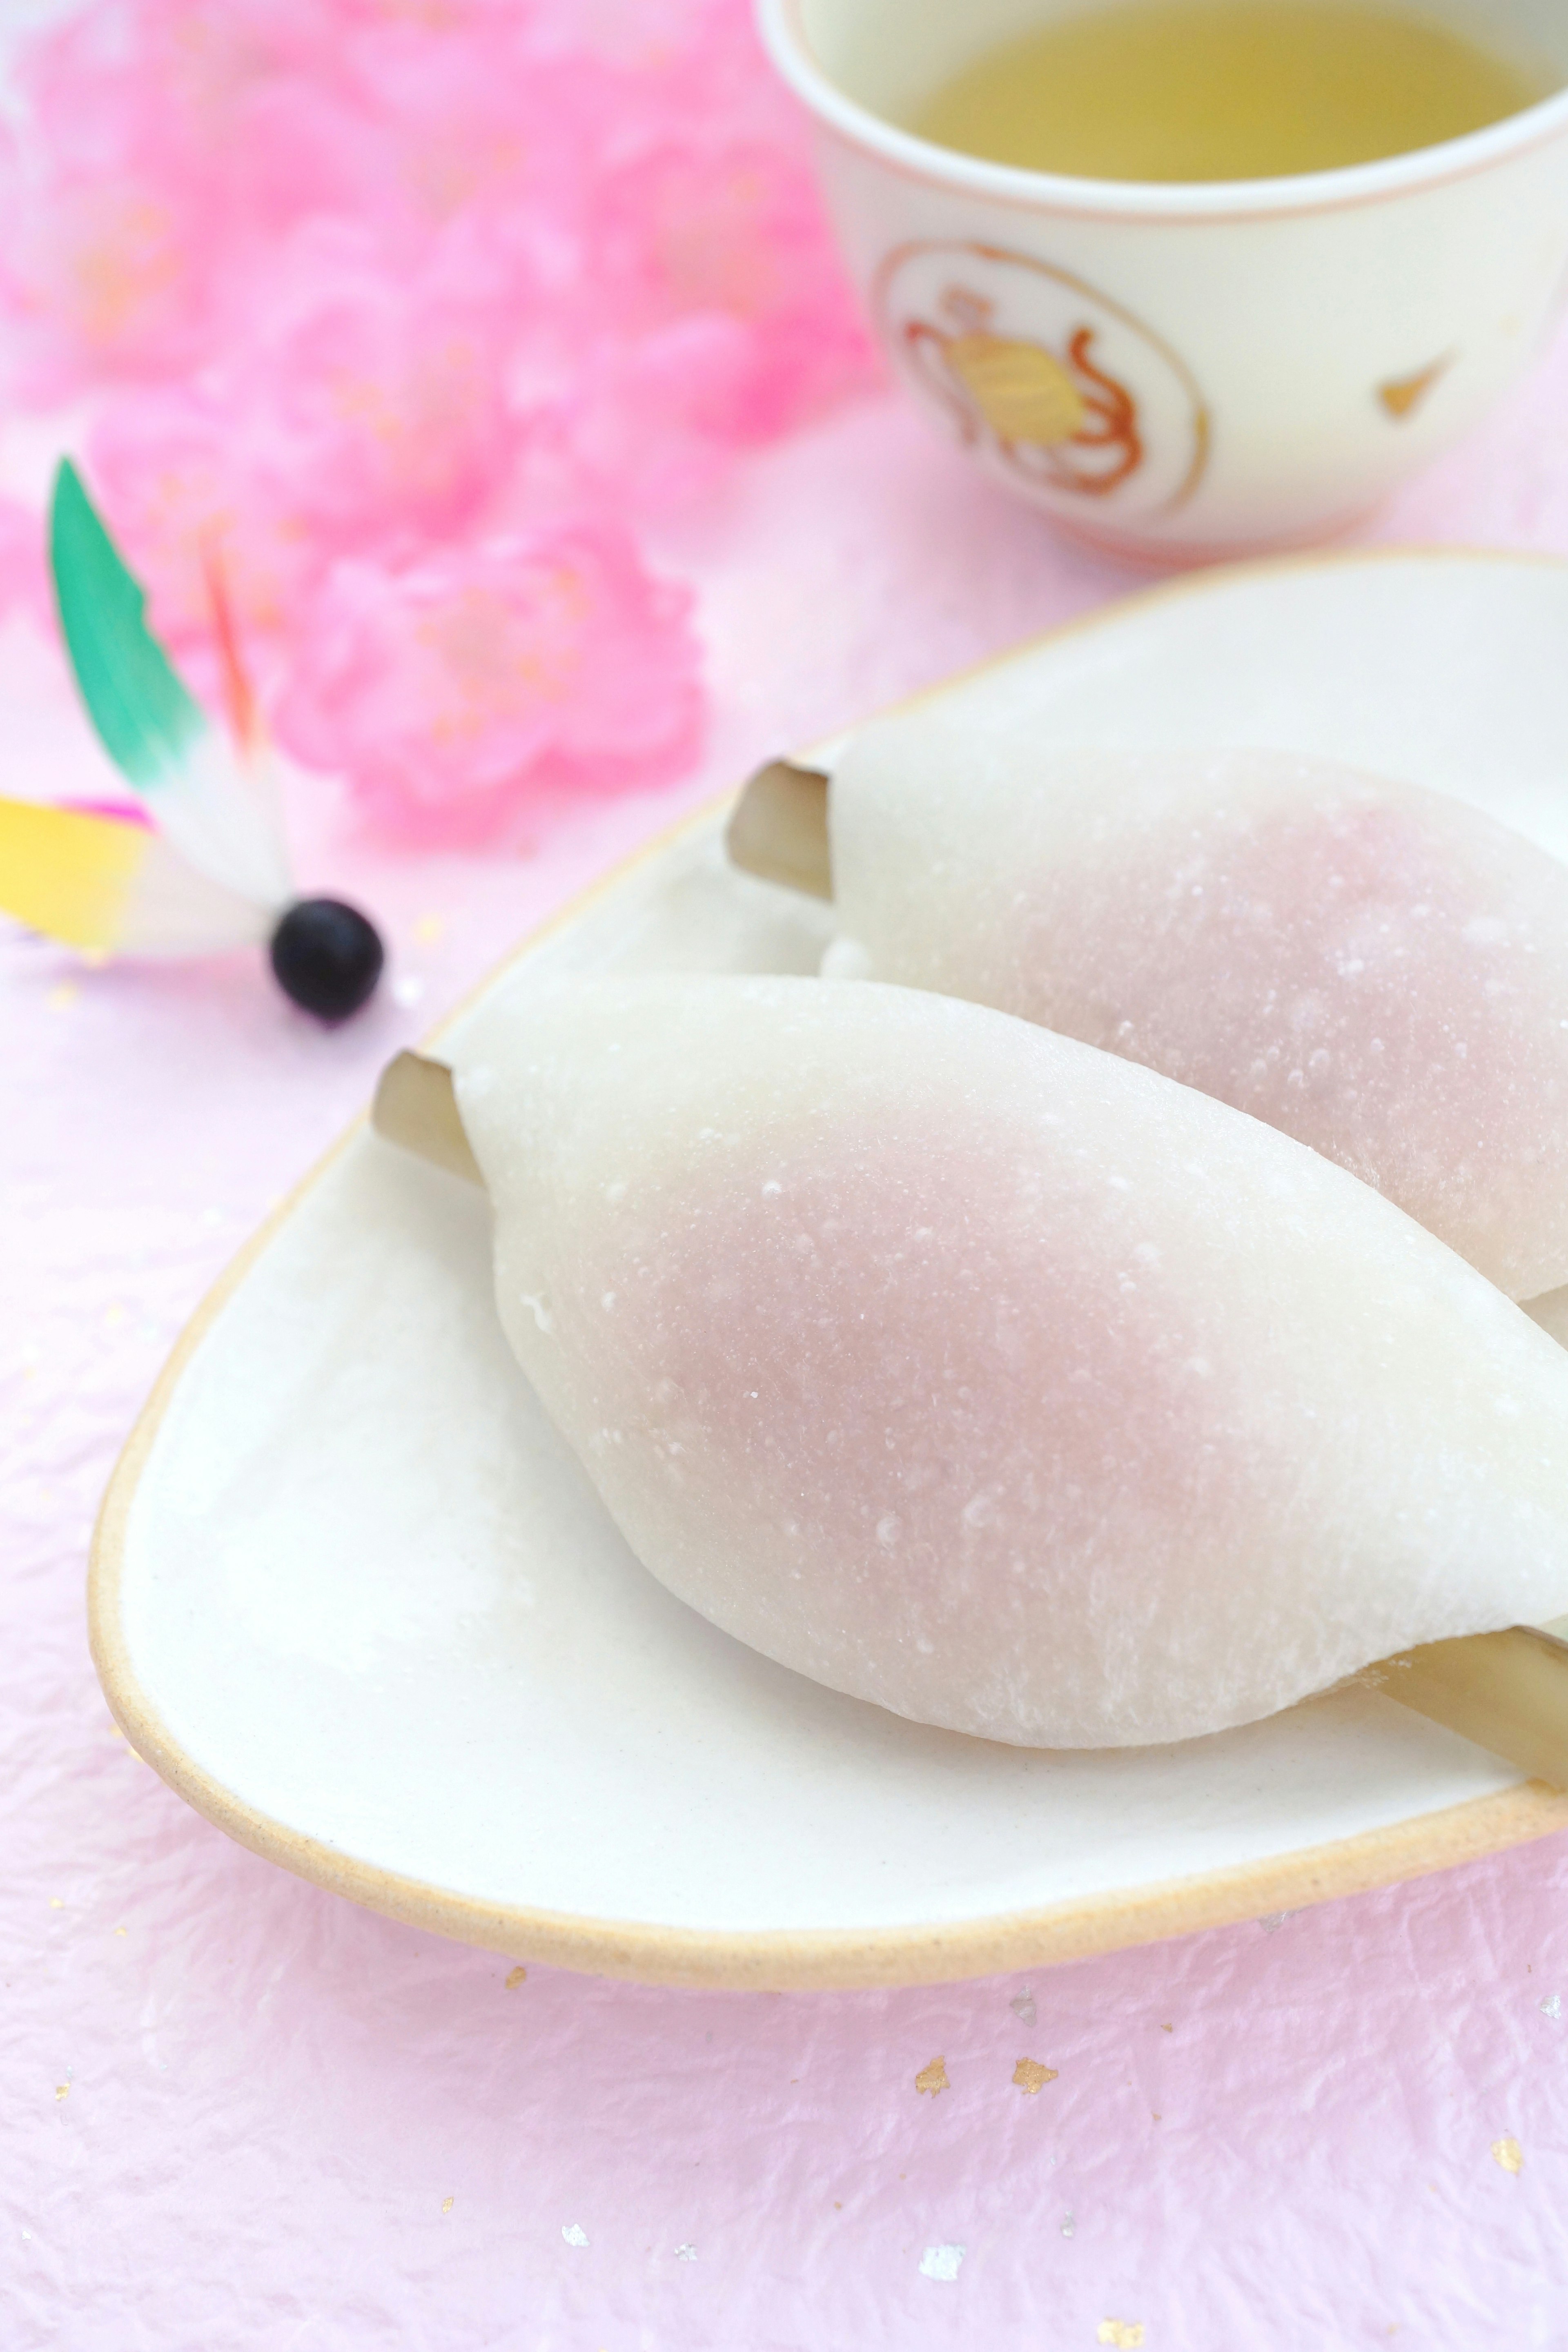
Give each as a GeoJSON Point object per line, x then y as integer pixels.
{"type": "Point", "coordinates": [1031, 2076]}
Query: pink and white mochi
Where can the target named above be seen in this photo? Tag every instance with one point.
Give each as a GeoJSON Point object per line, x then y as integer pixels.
{"type": "Point", "coordinates": [995, 1378]}
{"type": "Point", "coordinates": [1380, 970]}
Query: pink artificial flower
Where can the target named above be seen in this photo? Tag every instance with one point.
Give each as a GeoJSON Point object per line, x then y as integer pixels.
{"type": "Point", "coordinates": [732, 234]}
{"type": "Point", "coordinates": [364, 417]}
{"type": "Point", "coordinates": [382, 409]}
{"type": "Point", "coordinates": [166, 142]}
{"type": "Point", "coordinates": [472, 125]}
{"type": "Point", "coordinates": [465, 693]}
{"type": "Point", "coordinates": [97, 282]}
{"type": "Point", "coordinates": [396, 315]}
{"type": "Point", "coordinates": [182, 499]}
{"type": "Point", "coordinates": [715, 304]}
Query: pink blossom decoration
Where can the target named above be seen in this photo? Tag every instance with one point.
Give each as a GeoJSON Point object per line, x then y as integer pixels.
{"type": "Point", "coordinates": [404, 314]}
{"type": "Point", "coordinates": [185, 488]}
{"type": "Point", "coordinates": [473, 685]}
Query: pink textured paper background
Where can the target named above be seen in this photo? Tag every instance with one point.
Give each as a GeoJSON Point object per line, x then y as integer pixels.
{"type": "Point", "coordinates": [239, 2115]}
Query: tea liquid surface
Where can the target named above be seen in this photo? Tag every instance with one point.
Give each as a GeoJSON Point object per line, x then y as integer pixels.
{"type": "Point", "coordinates": [1223, 90]}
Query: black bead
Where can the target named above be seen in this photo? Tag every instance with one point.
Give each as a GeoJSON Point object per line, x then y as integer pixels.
{"type": "Point", "coordinates": [327, 957]}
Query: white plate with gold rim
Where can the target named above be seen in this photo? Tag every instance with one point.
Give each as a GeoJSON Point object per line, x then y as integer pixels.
{"type": "Point", "coordinates": [354, 1601]}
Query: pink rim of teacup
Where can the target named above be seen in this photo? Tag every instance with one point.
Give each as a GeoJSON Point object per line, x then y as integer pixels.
{"type": "Point", "coordinates": [784, 38]}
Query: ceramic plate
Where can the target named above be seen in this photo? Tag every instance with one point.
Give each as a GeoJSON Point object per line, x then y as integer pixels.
{"type": "Point", "coordinates": [356, 1603]}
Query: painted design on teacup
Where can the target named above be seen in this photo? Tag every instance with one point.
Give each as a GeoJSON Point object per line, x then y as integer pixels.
{"type": "Point", "coordinates": [1061, 419]}
{"type": "Point", "coordinates": [1402, 395]}
{"type": "Point", "coordinates": [1044, 376]}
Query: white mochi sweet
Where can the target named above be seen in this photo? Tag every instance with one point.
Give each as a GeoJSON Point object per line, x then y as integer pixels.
{"type": "Point", "coordinates": [994, 1379]}
{"type": "Point", "coordinates": [1378, 969]}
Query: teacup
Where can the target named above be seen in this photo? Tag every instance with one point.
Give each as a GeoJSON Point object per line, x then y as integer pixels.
{"type": "Point", "coordinates": [1186, 371]}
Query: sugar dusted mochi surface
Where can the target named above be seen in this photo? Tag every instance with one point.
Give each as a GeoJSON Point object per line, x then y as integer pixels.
{"type": "Point", "coordinates": [993, 1378]}
{"type": "Point", "coordinates": [1377, 968]}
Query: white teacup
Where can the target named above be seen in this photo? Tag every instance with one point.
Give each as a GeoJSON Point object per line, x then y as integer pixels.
{"type": "Point", "coordinates": [1189, 370]}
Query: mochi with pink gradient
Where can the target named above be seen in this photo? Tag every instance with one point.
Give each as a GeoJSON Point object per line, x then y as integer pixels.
{"type": "Point", "coordinates": [1377, 968]}
{"type": "Point", "coordinates": [991, 1378]}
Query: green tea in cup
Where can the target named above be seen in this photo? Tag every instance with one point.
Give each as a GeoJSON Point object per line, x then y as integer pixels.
{"type": "Point", "coordinates": [1204, 276]}
{"type": "Point", "coordinates": [1224, 89]}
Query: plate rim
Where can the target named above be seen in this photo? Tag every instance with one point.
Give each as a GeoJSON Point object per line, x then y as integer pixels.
{"type": "Point", "coordinates": [776, 1959]}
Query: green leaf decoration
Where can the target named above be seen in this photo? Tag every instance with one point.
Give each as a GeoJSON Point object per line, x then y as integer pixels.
{"type": "Point", "coordinates": [146, 718]}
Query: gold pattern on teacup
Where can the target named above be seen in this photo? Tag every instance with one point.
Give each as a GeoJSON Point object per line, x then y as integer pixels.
{"type": "Point", "coordinates": [1045, 377]}
{"type": "Point", "coordinates": [1022, 391]}
{"type": "Point", "coordinates": [1061, 420]}
{"type": "Point", "coordinates": [1058, 416]}
{"type": "Point", "coordinates": [1402, 395]}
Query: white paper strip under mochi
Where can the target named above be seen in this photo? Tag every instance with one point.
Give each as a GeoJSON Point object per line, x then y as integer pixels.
{"type": "Point", "coordinates": [995, 1378]}
{"type": "Point", "coordinates": [1377, 968]}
